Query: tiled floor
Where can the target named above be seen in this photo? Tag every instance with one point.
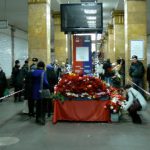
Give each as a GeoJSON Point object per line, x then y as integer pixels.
{"type": "Point", "coordinates": [71, 135]}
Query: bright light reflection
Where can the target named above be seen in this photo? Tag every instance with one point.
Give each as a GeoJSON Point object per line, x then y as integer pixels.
{"type": "Point", "coordinates": [91, 17]}
{"type": "Point", "coordinates": [90, 11]}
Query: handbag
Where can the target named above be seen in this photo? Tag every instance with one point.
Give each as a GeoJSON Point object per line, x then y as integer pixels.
{"type": "Point", "coordinates": [136, 106]}
{"type": "Point", "coordinates": [44, 93]}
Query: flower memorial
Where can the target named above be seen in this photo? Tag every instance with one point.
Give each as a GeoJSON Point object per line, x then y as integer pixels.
{"type": "Point", "coordinates": [114, 105]}
{"type": "Point", "coordinates": [77, 86]}
{"type": "Point", "coordinates": [116, 102]}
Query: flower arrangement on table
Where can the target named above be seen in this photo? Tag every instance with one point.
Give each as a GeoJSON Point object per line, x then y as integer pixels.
{"type": "Point", "coordinates": [73, 86]}
{"type": "Point", "coordinates": [114, 105]}
{"type": "Point", "coordinates": [116, 102]}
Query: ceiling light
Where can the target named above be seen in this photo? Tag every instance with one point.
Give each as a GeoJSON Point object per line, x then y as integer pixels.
{"type": "Point", "coordinates": [88, 1]}
{"type": "Point", "coordinates": [90, 11]}
{"type": "Point", "coordinates": [91, 17]}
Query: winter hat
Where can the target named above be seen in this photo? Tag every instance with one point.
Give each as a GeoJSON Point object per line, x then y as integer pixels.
{"type": "Point", "coordinates": [17, 61]}
{"type": "Point", "coordinates": [34, 59]}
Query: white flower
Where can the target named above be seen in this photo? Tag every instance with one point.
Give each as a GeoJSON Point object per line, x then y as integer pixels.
{"type": "Point", "coordinates": [111, 107]}
{"type": "Point", "coordinates": [114, 110]}
{"type": "Point", "coordinates": [115, 99]}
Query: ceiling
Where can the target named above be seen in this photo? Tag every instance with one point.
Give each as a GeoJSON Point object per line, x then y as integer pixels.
{"type": "Point", "coordinates": [16, 11]}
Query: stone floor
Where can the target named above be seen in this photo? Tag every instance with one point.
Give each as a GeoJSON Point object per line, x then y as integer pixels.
{"type": "Point", "coordinates": [25, 134]}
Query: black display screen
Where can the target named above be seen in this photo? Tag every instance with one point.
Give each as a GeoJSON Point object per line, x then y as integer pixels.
{"type": "Point", "coordinates": [86, 17]}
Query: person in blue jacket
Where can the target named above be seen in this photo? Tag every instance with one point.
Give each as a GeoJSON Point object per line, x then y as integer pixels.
{"type": "Point", "coordinates": [36, 96]}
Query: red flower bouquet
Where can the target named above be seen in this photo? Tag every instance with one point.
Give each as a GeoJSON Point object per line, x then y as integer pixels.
{"type": "Point", "coordinates": [115, 105]}
{"type": "Point", "coordinates": [77, 86]}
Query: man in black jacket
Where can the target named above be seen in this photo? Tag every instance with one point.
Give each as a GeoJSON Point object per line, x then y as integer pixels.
{"type": "Point", "coordinates": [136, 72]}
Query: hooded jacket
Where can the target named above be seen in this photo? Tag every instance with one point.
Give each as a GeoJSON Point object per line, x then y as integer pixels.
{"type": "Point", "coordinates": [134, 93]}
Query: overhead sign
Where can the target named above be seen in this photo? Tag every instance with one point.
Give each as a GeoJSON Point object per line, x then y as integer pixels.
{"type": "Point", "coordinates": [3, 24]}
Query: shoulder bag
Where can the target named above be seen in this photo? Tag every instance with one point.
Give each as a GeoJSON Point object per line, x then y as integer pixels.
{"type": "Point", "coordinates": [136, 106]}
{"type": "Point", "coordinates": [45, 93]}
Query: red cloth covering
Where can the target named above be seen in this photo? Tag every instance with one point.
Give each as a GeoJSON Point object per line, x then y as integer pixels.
{"type": "Point", "coordinates": [81, 110]}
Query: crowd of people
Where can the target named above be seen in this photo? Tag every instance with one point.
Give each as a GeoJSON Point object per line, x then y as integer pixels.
{"type": "Point", "coordinates": [29, 78]}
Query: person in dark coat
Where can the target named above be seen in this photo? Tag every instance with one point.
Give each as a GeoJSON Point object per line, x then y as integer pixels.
{"type": "Point", "coordinates": [36, 87]}
{"type": "Point", "coordinates": [28, 94]}
{"type": "Point", "coordinates": [52, 80]}
{"type": "Point", "coordinates": [108, 71]}
{"type": "Point", "coordinates": [136, 72]}
{"type": "Point", "coordinates": [25, 68]}
{"type": "Point", "coordinates": [17, 80]}
{"type": "Point", "coordinates": [3, 83]}
{"type": "Point", "coordinates": [148, 75]}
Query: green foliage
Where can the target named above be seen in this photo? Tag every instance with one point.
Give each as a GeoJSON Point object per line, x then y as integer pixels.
{"type": "Point", "coordinates": [57, 96]}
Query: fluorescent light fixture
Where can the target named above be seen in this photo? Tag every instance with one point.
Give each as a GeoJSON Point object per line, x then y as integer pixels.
{"type": "Point", "coordinates": [88, 1]}
{"type": "Point", "coordinates": [91, 21]}
{"type": "Point", "coordinates": [91, 17]}
{"type": "Point", "coordinates": [90, 11]}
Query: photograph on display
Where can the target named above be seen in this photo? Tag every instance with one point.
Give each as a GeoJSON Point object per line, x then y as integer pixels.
{"type": "Point", "coordinates": [137, 48]}
{"type": "Point", "coordinates": [82, 54]}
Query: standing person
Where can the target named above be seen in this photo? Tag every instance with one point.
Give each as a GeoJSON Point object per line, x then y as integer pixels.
{"type": "Point", "coordinates": [36, 96]}
{"type": "Point", "coordinates": [136, 72]}
{"type": "Point", "coordinates": [58, 72]}
{"type": "Point", "coordinates": [148, 75]}
{"type": "Point", "coordinates": [132, 106]}
{"type": "Point", "coordinates": [100, 70]}
{"type": "Point", "coordinates": [17, 80]}
{"type": "Point", "coordinates": [33, 66]}
{"type": "Point", "coordinates": [52, 80]}
{"type": "Point", "coordinates": [108, 71]}
{"type": "Point", "coordinates": [3, 83]}
{"type": "Point", "coordinates": [28, 94]}
{"type": "Point", "coordinates": [122, 71]}
{"type": "Point", "coordinates": [25, 68]}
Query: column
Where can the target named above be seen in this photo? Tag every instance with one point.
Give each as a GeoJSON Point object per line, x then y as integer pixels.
{"type": "Point", "coordinates": [61, 40]}
{"type": "Point", "coordinates": [135, 30]}
{"type": "Point", "coordinates": [104, 46]}
{"type": "Point", "coordinates": [111, 52]}
{"type": "Point", "coordinates": [119, 43]}
{"type": "Point", "coordinates": [39, 29]}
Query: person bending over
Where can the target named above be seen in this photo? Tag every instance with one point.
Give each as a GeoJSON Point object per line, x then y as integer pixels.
{"type": "Point", "coordinates": [135, 102]}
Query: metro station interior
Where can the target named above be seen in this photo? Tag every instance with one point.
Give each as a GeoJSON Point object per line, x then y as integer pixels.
{"type": "Point", "coordinates": [47, 30]}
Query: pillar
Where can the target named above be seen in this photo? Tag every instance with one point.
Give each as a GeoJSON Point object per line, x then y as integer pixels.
{"type": "Point", "coordinates": [39, 29]}
{"type": "Point", "coordinates": [111, 52]}
{"type": "Point", "coordinates": [119, 43]}
{"type": "Point", "coordinates": [60, 40]}
{"type": "Point", "coordinates": [135, 30]}
{"type": "Point", "coordinates": [104, 46]}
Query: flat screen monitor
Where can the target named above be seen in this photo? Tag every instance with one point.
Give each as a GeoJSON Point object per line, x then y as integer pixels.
{"type": "Point", "coordinates": [82, 18]}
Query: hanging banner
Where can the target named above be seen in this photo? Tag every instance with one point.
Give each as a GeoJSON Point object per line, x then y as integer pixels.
{"type": "Point", "coordinates": [82, 59]}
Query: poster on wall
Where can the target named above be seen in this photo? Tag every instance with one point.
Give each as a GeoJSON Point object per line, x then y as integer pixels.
{"type": "Point", "coordinates": [82, 54]}
{"type": "Point", "coordinates": [137, 48]}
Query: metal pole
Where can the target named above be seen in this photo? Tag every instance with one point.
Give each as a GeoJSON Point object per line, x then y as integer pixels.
{"type": "Point", "coordinates": [69, 45]}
